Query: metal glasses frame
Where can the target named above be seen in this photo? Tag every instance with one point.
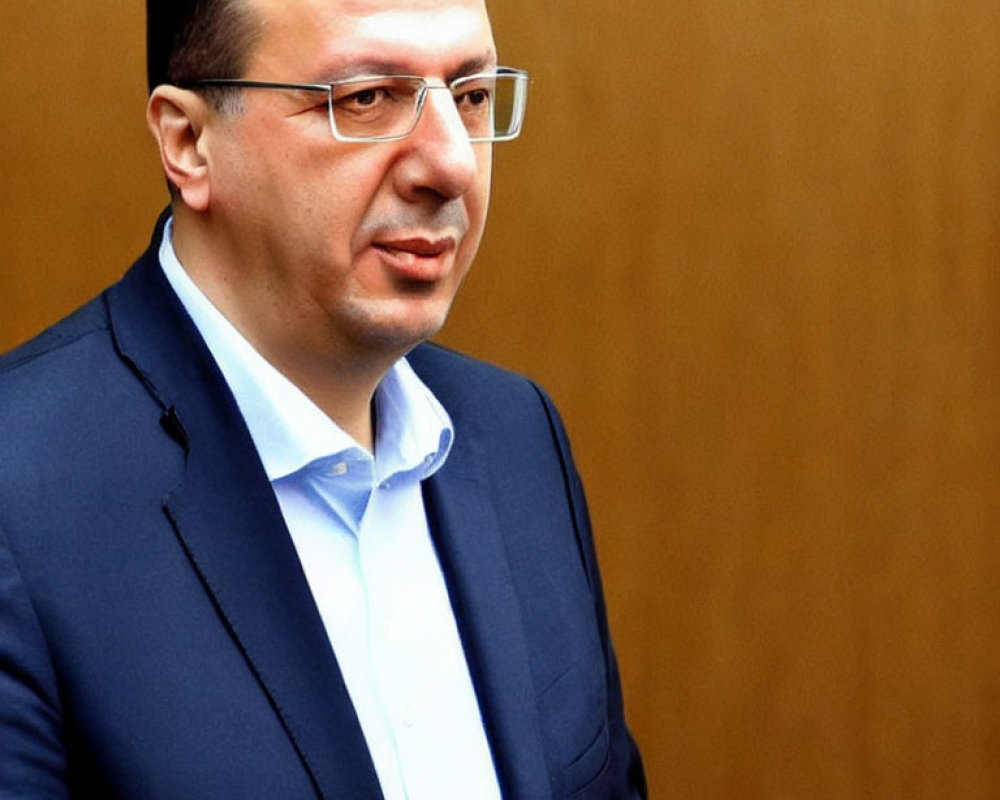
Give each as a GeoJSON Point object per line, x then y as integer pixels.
{"type": "Point", "coordinates": [520, 98]}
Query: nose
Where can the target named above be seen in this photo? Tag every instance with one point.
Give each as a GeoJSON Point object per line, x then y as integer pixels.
{"type": "Point", "coordinates": [440, 157]}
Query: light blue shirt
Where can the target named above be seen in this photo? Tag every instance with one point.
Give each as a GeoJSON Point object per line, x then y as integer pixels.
{"type": "Point", "coordinates": [360, 529]}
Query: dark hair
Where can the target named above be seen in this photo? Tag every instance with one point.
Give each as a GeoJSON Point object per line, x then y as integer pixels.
{"type": "Point", "coordinates": [191, 39]}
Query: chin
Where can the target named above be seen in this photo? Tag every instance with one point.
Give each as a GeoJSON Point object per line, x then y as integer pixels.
{"type": "Point", "coordinates": [400, 335]}
{"type": "Point", "coordinates": [392, 325]}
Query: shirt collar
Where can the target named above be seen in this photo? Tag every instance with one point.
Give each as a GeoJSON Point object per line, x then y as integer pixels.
{"type": "Point", "coordinates": [413, 433]}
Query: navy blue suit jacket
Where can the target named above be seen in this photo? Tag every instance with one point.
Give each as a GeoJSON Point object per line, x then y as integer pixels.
{"type": "Point", "coordinates": [158, 638]}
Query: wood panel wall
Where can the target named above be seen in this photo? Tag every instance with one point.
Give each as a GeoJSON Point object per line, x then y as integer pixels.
{"type": "Point", "coordinates": [752, 250]}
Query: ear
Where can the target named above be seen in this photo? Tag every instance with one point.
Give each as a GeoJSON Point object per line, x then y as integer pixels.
{"type": "Point", "coordinates": [177, 120]}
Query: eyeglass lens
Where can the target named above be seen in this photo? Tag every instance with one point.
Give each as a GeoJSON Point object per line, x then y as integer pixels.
{"type": "Point", "coordinates": [490, 106]}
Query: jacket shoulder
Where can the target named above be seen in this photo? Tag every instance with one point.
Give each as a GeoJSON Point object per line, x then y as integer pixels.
{"type": "Point", "coordinates": [440, 362]}
{"type": "Point", "coordinates": [89, 319]}
{"type": "Point", "coordinates": [62, 391]}
{"type": "Point", "coordinates": [485, 398]}
{"type": "Point", "coordinates": [462, 382]}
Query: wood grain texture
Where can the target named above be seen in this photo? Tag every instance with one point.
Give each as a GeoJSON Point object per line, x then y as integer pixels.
{"type": "Point", "coordinates": [752, 250]}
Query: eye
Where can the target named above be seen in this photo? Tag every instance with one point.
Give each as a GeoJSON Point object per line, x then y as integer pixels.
{"type": "Point", "coordinates": [366, 98]}
{"type": "Point", "coordinates": [474, 99]}
{"type": "Point", "coordinates": [477, 97]}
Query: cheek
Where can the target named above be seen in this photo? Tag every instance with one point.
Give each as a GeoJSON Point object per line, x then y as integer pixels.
{"type": "Point", "coordinates": [315, 210]}
{"type": "Point", "coordinates": [340, 195]}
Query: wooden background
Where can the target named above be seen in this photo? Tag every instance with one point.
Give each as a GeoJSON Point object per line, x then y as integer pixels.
{"type": "Point", "coordinates": [752, 250]}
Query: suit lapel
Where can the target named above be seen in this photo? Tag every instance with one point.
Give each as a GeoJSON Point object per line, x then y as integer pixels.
{"type": "Point", "coordinates": [228, 520]}
{"type": "Point", "coordinates": [471, 550]}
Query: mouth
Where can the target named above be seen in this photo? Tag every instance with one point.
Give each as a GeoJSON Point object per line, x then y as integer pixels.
{"type": "Point", "coordinates": [416, 258]}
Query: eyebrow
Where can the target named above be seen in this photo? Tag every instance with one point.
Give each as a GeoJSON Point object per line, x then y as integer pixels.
{"type": "Point", "coordinates": [473, 65]}
{"type": "Point", "coordinates": [357, 69]}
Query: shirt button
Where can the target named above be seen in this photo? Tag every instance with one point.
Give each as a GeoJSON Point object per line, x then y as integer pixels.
{"type": "Point", "coordinates": [340, 468]}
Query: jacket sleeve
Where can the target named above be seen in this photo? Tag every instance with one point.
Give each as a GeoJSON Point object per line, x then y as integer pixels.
{"type": "Point", "coordinates": [32, 756]}
{"type": "Point", "coordinates": [624, 773]}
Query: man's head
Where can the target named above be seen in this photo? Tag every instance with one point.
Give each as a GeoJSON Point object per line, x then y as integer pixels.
{"type": "Point", "coordinates": [317, 248]}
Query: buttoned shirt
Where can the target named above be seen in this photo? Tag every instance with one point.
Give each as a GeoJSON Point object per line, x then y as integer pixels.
{"type": "Point", "coordinates": [359, 526]}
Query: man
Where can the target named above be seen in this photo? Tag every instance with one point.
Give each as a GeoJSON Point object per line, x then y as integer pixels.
{"type": "Point", "coordinates": [256, 539]}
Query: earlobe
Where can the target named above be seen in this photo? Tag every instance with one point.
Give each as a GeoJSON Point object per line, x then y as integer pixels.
{"type": "Point", "coordinates": [176, 118]}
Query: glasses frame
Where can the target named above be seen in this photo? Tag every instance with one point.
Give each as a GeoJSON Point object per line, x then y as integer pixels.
{"type": "Point", "coordinates": [520, 76]}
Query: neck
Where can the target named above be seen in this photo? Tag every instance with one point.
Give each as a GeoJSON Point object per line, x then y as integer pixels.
{"type": "Point", "coordinates": [343, 393]}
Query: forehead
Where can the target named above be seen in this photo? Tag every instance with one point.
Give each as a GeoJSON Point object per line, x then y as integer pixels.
{"type": "Point", "coordinates": [317, 38]}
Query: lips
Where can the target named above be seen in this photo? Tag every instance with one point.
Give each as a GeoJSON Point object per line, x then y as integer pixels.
{"type": "Point", "coordinates": [417, 246]}
{"type": "Point", "coordinates": [416, 258]}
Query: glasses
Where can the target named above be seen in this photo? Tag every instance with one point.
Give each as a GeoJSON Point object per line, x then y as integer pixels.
{"type": "Point", "coordinates": [386, 108]}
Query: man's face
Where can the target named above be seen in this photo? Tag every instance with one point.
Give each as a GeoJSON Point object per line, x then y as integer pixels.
{"type": "Point", "coordinates": [336, 248]}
